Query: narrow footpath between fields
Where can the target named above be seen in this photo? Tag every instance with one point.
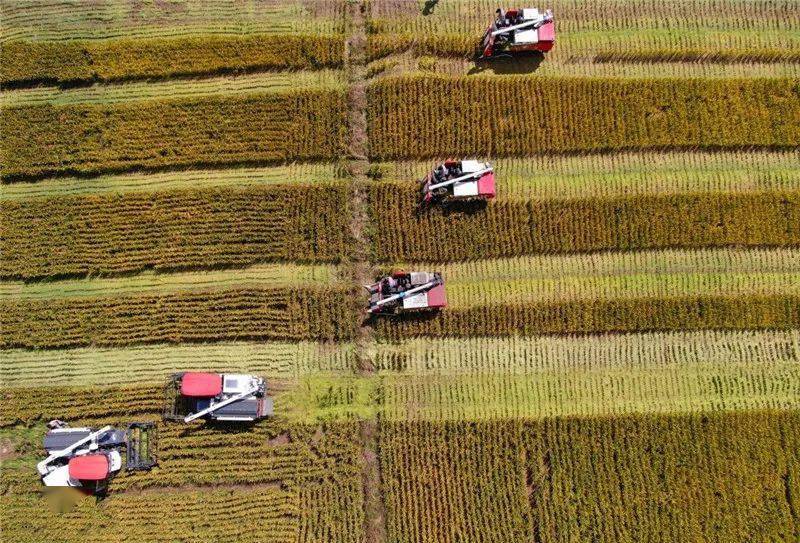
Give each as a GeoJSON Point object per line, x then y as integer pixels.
{"type": "Point", "coordinates": [360, 270]}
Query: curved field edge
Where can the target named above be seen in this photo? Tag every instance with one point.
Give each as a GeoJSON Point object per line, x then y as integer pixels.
{"type": "Point", "coordinates": [170, 230]}
{"type": "Point", "coordinates": [720, 476]}
{"type": "Point", "coordinates": [28, 63]}
{"type": "Point", "coordinates": [429, 116]}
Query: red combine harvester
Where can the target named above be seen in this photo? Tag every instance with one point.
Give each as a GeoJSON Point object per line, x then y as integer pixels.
{"type": "Point", "coordinates": [459, 180]}
{"type": "Point", "coordinates": [215, 396]}
{"type": "Point", "coordinates": [87, 458]}
{"type": "Point", "coordinates": [517, 31]}
{"type": "Point", "coordinates": [403, 292]}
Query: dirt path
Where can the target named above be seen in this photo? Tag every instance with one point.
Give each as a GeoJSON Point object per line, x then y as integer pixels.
{"type": "Point", "coordinates": [360, 270]}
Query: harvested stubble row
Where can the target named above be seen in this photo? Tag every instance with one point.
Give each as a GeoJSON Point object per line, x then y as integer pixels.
{"type": "Point", "coordinates": [31, 62]}
{"type": "Point", "coordinates": [150, 363]}
{"type": "Point", "coordinates": [591, 224]}
{"type": "Point", "coordinates": [188, 316]}
{"type": "Point", "coordinates": [597, 316]}
{"type": "Point", "coordinates": [607, 27]}
{"type": "Point", "coordinates": [722, 477]}
{"type": "Point", "coordinates": [94, 138]}
{"type": "Point", "coordinates": [65, 20]}
{"type": "Point", "coordinates": [198, 516]}
{"type": "Point", "coordinates": [624, 174]}
{"type": "Point", "coordinates": [429, 116]}
{"type": "Point", "coordinates": [201, 228]}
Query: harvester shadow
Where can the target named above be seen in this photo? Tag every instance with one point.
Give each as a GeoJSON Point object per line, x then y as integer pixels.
{"type": "Point", "coordinates": [522, 63]}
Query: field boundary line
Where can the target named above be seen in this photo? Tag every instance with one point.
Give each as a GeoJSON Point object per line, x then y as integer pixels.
{"type": "Point", "coordinates": [360, 272]}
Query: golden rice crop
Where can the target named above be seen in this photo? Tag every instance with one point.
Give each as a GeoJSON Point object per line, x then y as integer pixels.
{"type": "Point", "coordinates": [86, 138]}
{"type": "Point", "coordinates": [31, 62]}
{"type": "Point", "coordinates": [116, 233]}
{"type": "Point", "coordinates": [188, 316]}
{"type": "Point", "coordinates": [561, 226]}
{"type": "Point", "coordinates": [306, 478]}
{"type": "Point", "coordinates": [433, 116]}
{"type": "Point", "coordinates": [775, 312]}
{"type": "Point", "coordinates": [723, 477]}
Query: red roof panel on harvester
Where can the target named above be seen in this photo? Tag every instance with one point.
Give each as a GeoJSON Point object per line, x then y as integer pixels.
{"type": "Point", "coordinates": [437, 297]}
{"type": "Point", "coordinates": [201, 385]}
{"type": "Point", "coordinates": [90, 467]}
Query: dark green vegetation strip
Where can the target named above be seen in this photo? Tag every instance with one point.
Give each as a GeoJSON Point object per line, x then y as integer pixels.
{"type": "Point", "coordinates": [27, 62]}
{"type": "Point", "coordinates": [430, 116]}
{"type": "Point", "coordinates": [465, 232]}
{"type": "Point", "coordinates": [118, 233]}
{"type": "Point", "coordinates": [722, 477]}
{"type": "Point", "coordinates": [600, 316]}
{"type": "Point", "coordinates": [89, 138]}
{"type": "Point", "coordinates": [231, 314]}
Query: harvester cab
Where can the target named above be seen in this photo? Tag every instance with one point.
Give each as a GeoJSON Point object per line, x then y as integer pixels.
{"type": "Point", "coordinates": [403, 292]}
{"type": "Point", "coordinates": [217, 397]}
{"type": "Point", "coordinates": [458, 180]}
{"type": "Point", "coordinates": [88, 458]}
{"type": "Point", "coordinates": [516, 31]}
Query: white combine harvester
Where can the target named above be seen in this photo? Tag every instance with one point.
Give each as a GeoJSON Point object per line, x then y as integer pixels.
{"type": "Point", "coordinates": [459, 180]}
{"type": "Point", "coordinates": [87, 458]}
{"type": "Point", "coordinates": [516, 31]}
{"type": "Point", "coordinates": [403, 292]}
{"type": "Point", "coordinates": [218, 397]}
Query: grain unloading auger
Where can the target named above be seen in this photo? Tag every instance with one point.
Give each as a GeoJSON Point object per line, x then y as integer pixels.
{"type": "Point", "coordinates": [459, 180]}
{"type": "Point", "coordinates": [403, 292]}
{"type": "Point", "coordinates": [88, 458]}
{"type": "Point", "coordinates": [516, 31]}
{"type": "Point", "coordinates": [215, 396]}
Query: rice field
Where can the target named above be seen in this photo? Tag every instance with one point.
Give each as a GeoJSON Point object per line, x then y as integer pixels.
{"type": "Point", "coordinates": [207, 187]}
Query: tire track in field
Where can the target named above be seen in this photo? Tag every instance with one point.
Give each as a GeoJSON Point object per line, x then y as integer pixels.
{"type": "Point", "coordinates": [361, 272]}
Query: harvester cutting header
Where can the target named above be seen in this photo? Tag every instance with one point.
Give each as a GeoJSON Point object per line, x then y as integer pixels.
{"type": "Point", "coordinates": [459, 180]}
{"type": "Point", "coordinates": [517, 31]}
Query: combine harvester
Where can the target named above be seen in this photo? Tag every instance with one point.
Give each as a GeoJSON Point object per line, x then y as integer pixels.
{"type": "Point", "coordinates": [456, 180]}
{"type": "Point", "coordinates": [403, 292]}
{"type": "Point", "coordinates": [87, 458]}
{"type": "Point", "coordinates": [217, 397]}
{"type": "Point", "coordinates": [517, 31]}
